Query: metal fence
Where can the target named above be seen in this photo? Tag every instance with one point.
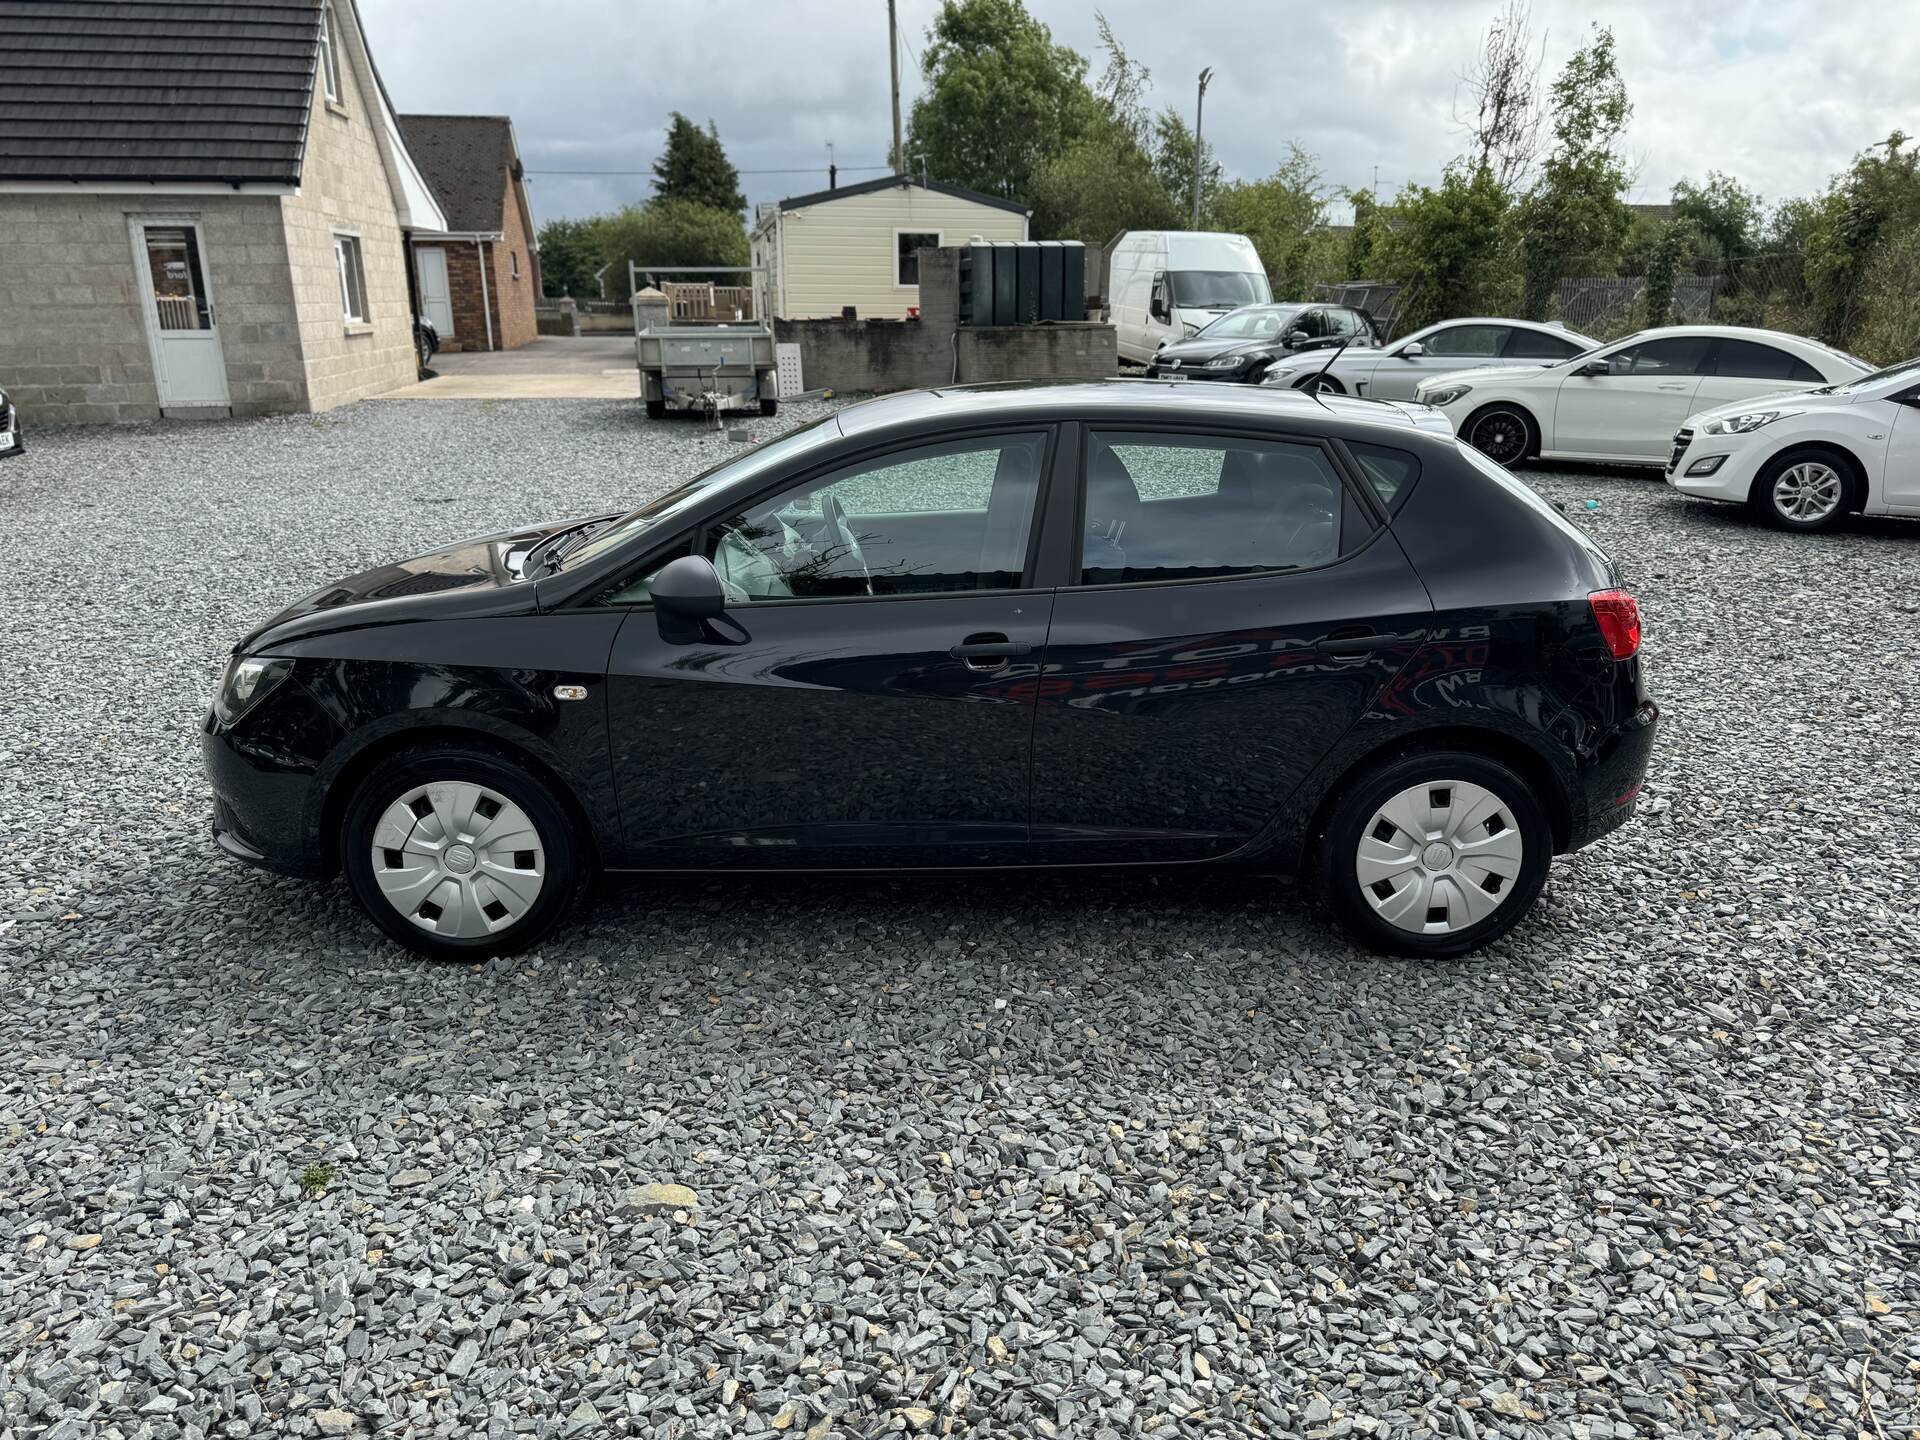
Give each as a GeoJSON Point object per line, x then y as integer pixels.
{"type": "Point", "coordinates": [1769, 291]}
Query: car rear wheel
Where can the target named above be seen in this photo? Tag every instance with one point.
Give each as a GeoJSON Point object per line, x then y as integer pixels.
{"type": "Point", "coordinates": [1502, 433]}
{"type": "Point", "coordinates": [1434, 854]}
{"type": "Point", "coordinates": [1802, 490]}
{"type": "Point", "coordinates": [459, 852]}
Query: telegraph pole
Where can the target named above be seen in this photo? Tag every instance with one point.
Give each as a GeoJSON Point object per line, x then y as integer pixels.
{"type": "Point", "coordinates": [893, 64]}
{"type": "Point", "coordinates": [1198, 106]}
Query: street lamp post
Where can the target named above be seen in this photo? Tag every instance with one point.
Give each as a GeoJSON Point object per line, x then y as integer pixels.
{"type": "Point", "coordinates": [1198, 106]}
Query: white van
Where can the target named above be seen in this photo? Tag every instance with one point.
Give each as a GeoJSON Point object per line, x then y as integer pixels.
{"type": "Point", "coordinates": [1168, 284]}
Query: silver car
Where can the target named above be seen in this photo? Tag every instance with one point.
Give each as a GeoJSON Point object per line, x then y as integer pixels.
{"type": "Point", "coordinates": [1391, 373]}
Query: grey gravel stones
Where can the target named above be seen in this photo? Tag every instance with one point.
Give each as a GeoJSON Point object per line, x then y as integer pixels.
{"type": "Point", "coordinates": [1094, 1155]}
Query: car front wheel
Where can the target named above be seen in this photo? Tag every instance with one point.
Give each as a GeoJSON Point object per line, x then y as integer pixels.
{"type": "Point", "coordinates": [1803, 490]}
{"type": "Point", "coordinates": [1434, 854]}
{"type": "Point", "coordinates": [459, 852]}
{"type": "Point", "coordinates": [1502, 433]}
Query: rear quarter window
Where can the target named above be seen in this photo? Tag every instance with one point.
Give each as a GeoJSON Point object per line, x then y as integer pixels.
{"type": "Point", "coordinates": [1390, 472]}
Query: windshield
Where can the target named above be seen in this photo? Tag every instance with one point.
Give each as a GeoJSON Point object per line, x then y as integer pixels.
{"type": "Point", "coordinates": [1250, 324]}
{"type": "Point", "coordinates": [1218, 289]}
{"type": "Point", "coordinates": [658, 511]}
{"type": "Point", "coordinates": [1867, 382]}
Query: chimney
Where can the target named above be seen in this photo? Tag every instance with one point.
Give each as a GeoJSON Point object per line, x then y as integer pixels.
{"type": "Point", "coordinates": [833, 177]}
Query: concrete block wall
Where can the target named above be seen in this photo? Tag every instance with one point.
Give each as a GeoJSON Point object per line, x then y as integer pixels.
{"type": "Point", "coordinates": [344, 187]}
{"type": "Point", "coordinates": [877, 355]}
{"type": "Point", "coordinates": [73, 338]}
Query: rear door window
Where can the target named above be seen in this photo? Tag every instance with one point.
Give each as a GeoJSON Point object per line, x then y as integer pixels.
{"type": "Point", "coordinates": [1750, 360]}
{"type": "Point", "coordinates": [1524, 344]}
{"type": "Point", "coordinates": [1389, 472]}
{"type": "Point", "coordinates": [1161, 506]}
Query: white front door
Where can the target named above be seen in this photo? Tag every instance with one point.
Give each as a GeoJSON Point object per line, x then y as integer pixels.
{"type": "Point", "coordinates": [189, 368]}
{"type": "Point", "coordinates": [1901, 482]}
{"type": "Point", "coordinates": [436, 301]}
{"type": "Point", "coordinates": [1633, 408]}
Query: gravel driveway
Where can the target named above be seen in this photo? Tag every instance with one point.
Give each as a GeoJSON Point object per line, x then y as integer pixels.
{"type": "Point", "coordinates": [1025, 1157]}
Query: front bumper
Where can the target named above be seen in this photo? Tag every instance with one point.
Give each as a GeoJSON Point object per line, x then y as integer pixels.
{"type": "Point", "coordinates": [13, 440]}
{"type": "Point", "coordinates": [1732, 462]}
{"type": "Point", "coordinates": [264, 774]}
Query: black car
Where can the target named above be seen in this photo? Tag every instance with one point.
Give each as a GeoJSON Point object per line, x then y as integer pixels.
{"type": "Point", "coordinates": [426, 342]}
{"type": "Point", "coordinates": [1242, 344]}
{"type": "Point", "coordinates": [12, 440]}
{"type": "Point", "coordinates": [1009, 626]}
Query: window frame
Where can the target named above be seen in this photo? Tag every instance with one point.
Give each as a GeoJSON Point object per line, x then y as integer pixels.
{"type": "Point", "coordinates": [1346, 471]}
{"type": "Point", "coordinates": [330, 57]}
{"type": "Point", "coordinates": [696, 535]}
{"type": "Point", "coordinates": [341, 239]}
{"type": "Point", "coordinates": [939, 239]}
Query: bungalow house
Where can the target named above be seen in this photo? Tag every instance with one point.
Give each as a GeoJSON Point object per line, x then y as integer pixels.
{"type": "Point", "coordinates": [479, 280]}
{"type": "Point", "coordinates": [857, 245]}
{"type": "Point", "coordinates": [202, 211]}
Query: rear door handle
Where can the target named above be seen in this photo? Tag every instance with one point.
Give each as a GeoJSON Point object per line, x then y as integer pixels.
{"type": "Point", "coordinates": [988, 652]}
{"type": "Point", "coordinates": [1355, 644]}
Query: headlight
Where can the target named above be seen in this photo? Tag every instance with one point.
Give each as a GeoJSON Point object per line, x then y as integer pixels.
{"type": "Point", "coordinates": [1279, 374]}
{"type": "Point", "coordinates": [1442, 394]}
{"type": "Point", "coordinates": [248, 681]}
{"type": "Point", "coordinates": [1226, 362]}
{"type": "Point", "coordinates": [1741, 424]}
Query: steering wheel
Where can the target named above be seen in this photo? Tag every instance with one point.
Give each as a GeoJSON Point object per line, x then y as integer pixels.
{"type": "Point", "coordinates": [835, 516]}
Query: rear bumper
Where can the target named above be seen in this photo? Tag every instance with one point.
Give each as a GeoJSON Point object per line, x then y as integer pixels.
{"type": "Point", "coordinates": [1610, 784]}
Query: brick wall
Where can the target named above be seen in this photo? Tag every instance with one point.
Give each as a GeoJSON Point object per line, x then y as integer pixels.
{"type": "Point", "coordinates": [514, 295]}
{"type": "Point", "coordinates": [463, 295]}
{"type": "Point", "coordinates": [344, 187]}
{"type": "Point", "coordinates": [73, 338]}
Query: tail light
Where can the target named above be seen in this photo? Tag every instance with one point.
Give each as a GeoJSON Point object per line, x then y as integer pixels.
{"type": "Point", "coordinates": [1618, 615]}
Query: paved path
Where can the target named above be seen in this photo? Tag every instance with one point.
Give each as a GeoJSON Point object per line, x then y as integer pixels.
{"type": "Point", "coordinates": [590, 367]}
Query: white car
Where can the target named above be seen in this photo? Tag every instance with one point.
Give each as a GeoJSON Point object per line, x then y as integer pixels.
{"type": "Point", "coordinates": [1803, 460]}
{"type": "Point", "coordinates": [1621, 403]}
{"type": "Point", "coordinates": [1444, 349]}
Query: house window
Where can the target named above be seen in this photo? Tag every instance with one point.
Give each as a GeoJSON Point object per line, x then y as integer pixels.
{"type": "Point", "coordinates": [907, 245]}
{"type": "Point", "coordinates": [353, 279]}
{"type": "Point", "coordinates": [329, 56]}
{"type": "Point", "coordinates": [514, 255]}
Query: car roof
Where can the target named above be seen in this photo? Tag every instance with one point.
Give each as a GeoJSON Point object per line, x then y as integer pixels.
{"type": "Point", "coordinates": [1156, 399]}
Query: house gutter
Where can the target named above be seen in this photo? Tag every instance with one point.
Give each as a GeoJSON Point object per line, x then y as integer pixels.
{"type": "Point", "coordinates": [486, 301]}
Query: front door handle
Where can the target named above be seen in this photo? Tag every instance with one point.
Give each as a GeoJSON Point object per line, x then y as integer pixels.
{"type": "Point", "coordinates": [1355, 644]}
{"type": "Point", "coordinates": [988, 652]}
{"type": "Point", "coordinates": [1673, 385]}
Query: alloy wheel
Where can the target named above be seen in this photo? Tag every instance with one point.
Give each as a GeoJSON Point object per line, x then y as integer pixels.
{"type": "Point", "coordinates": [1501, 437]}
{"type": "Point", "coordinates": [1807, 492]}
{"type": "Point", "coordinates": [1439, 856]}
{"type": "Point", "coordinates": [458, 859]}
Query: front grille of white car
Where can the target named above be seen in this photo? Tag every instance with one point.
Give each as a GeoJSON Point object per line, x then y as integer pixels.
{"type": "Point", "coordinates": [1680, 444]}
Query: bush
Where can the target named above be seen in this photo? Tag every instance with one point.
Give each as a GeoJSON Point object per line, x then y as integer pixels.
{"type": "Point", "coordinates": [1889, 301]}
{"type": "Point", "coordinates": [667, 233]}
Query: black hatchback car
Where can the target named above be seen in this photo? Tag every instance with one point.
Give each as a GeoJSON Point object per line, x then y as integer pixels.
{"type": "Point", "coordinates": [1240, 345]}
{"type": "Point", "coordinates": [1124, 623]}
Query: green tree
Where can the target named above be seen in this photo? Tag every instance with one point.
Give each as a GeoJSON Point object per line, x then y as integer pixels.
{"type": "Point", "coordinates": [664, 234]}
{"type": "Point", "coordinates": [1362, 239]}
{"type": "Point", "coordinates": [1449, 248]}
{"type": "Point", "coordinates": [569, 254]}
{"type": "Point", "coordinates": [1173, 163]}
{"type": "Point", "coordinates": [694, 168]}
{"type": "Point", "coordinates": [1103, 181]}
{"type": "Point", "coordinates": [1000, 98]}
{"type": "Point", "coordinates": [1575, 217]}
{"type": "Point", "coordinates": [1673, 245]}
{"type": "Point", "coordinates": [1874, 203]}
{"type": "Point", "coordinates": [1282, 215]}
{"type": "Point", "coordinates": [1722, 212]}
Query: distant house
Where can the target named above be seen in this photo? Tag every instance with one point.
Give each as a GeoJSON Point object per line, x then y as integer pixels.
{"type": "Point", "coordinates": [480, 279]}
{"type": "Point", "coordinates": [202, 210]}
{"type": "Point", "coordinates": [855, 245]}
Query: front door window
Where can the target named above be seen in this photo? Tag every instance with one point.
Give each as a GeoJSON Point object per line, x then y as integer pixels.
{"type": "Point", "coordinates": [179, 283]}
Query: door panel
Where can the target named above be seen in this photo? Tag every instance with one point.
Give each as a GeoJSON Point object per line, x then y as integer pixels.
{"type": "Point", "coordinates": [436, 300]}
{"type": "Point", "coordinates": [189, 365]}
{"type": "Point", "coordinates": [1634, 409]}
{"type": "Point", "coordinates": [827, 734]}
{"type": "Point", "coordinates": [1174, 720]}
{"type": "Point", "coordinates": [1901, 484]}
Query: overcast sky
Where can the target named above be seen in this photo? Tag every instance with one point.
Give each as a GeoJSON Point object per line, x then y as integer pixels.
{"type": "Point", "coordinates": [1781, 93]}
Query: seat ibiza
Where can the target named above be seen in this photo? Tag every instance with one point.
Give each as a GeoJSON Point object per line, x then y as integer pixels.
{"type": "Point", "coordinates": [1132, 623]}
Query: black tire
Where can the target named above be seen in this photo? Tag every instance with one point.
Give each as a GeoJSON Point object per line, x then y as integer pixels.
{"type": "Point", "coordinates": [558, 853]}
{"type": "Point", "coordinates": [1766, 501]}
{"type": "Point", "coordinates": [1326, 385]}
{"type": "Point", "coordinates": [1504, 433]}
{"type": "Point", "coordinates": [425, 347]}
{"type": "Point", "coordinates": [656, 409]}
{"type": "Point", "coordinates": [1336, 863]}
{"type": "Point", "coordinates": [769, 407]}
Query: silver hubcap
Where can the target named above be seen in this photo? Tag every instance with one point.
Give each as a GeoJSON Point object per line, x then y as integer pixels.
{"type": "Point", "coordinates": [1439, 857]}
{"type": "Point", "coordinates": [1807, 491]}
{"type": "Point", "coordinates": [458, 859]}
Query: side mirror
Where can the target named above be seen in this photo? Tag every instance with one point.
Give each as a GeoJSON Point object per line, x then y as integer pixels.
{"type": "Point", "coordinates": [1294, 339]}
{"type": "Point", "coordinates": [1158, 309]}
{"type": "Point", "coordinates": [1412, 350]}
{"type": "Point", "coordinates": [1595, 367]}
{"type": "Point", "coordinates": [686, 592]}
